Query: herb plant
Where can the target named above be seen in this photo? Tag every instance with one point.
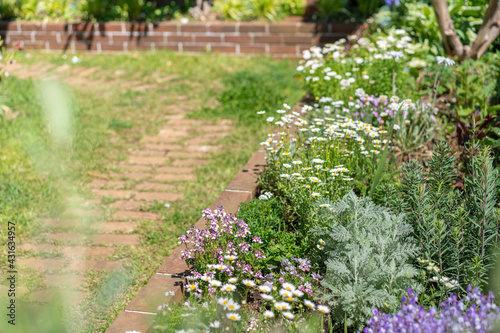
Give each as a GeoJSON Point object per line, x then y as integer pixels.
{"type": "Point", "coordinates": [367, 251]}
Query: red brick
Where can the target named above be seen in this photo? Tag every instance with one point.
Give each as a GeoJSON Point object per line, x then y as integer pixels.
{"type": "Point", "coordinates": [137, 39]}
{"type": "Point", "coordinates": [223, 48]}
{"type": "Point", "coordinates": [231, 200]}
{"type": "Point", "coordinates": [193, 47]}
{"type": "Point", "coordinates": [56, 27]}
{"type": "Point", "coordinates": [289, 28]}
{"type": "Point", "coordinates": [109, 26]}
{"type": "Point", "coordinates": [282, 49]}
{"type": "Point", "coordinates": [273, 39]}
{"type": "Point", "coordinates": [140, 27]}
{"type": "Point", "coordinates": [143, 46]}
{"type": "Point", "coordinates": [193, 27]}
{"type": "Point", "coordinates": [207, 39]}
{"type": "Point", "coordinates": [84, 27]}
{"type": "Point", "coordinates": [238, 39]}
{"type": "Point", "coordinates": [293, 40]}
{"type": "Point", "coordinates": [42, 36]}
{"type": "Point", "coordinates": [85, 46]}
{"type": "Point", "coordinates": [16, 36]}
{"type": "Point", "coordinates": [31, 26]}
{"type": "Point", "coordinates": [34, 46]}
{"type": "Point", "coordinates": [312, 27]}
{"type": "Point", "coordinates": [59, 46]}
{"type": "Point", "coordinates": [180, 39]}
{"type": "Point", "coordinates": [112, 47]}
{"type": "Point", "coordinates": [166, 27]}
{"type": "Point", "coordinates": [167, 46]}
{"type": "Point", "coordinates": [88, 37]}
{"type": "Point", "coordinates": [153, 293]}
{"type": "Point", "coordinates": [252, 27]}
{"type": "Point", "coordinates": [253, 49]}
{"type": "Point", "coordinates": [174, 264]}
{"type": "Point", "coordinates": [229, 27]}
{"type": "Point", "coordinates": [131, 321]}
{"type": "Point", "coordinates": [6, 26]}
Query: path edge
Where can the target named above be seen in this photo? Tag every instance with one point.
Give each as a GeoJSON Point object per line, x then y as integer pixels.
{"type": "Point", "coordinates": [140, 313]}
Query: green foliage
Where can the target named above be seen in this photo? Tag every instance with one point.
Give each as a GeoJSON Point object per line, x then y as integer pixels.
{"type": "Point", "coordinates": [270, 10]}
{"type": "Point", "coordinates": [367, 251]}
{"type": "Point", "coordinates": [329, 10]}
{"type": "Point", "coordinates": [266, 219]}
{"type": "Point", "coordinates": [102, 10]}
{"type": "Point", "coordinates": [455, 230]}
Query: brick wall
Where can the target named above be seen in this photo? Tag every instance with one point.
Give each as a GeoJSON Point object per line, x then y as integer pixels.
{"type": "Point", "coordinates": [277, 39]}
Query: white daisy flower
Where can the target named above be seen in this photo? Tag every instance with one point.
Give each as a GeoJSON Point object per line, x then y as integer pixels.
{"type": "Point", "coordinates": [288, 315]}
{"type": "Point", "coordinates": [268, 314]}
{"type": "Point", "coordinates": [324, 309]}
{"type": "Point", "coordinates": [228, 287]}
{"type": "Point", "coordinates": [233, 316]}
{"type": "Point", "coordinates": [309, 304]}
{"type": "Point", "coordinates": [265, 289]}
{"type": "Point", "coordinates": [248, 283]}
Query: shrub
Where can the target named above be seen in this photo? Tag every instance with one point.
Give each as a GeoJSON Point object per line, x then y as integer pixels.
{"type": "Point", "coordinates": [367, 251]}
{"type": "Point", "coordinates": [455, 230]}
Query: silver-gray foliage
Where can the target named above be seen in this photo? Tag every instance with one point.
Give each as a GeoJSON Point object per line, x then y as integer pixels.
{"type": "Point", "coordinates": [367, 251]}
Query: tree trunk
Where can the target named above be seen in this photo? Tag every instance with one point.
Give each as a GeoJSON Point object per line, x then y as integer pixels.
{"type": "Point", "coordinates": [489, 31]}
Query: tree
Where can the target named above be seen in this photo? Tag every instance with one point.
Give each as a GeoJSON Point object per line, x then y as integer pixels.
{"type": "Point", "coordinates": [488, 32]}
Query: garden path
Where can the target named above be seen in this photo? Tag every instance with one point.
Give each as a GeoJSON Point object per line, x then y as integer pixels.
{"type": "Point", "coordinates": [153, 172]}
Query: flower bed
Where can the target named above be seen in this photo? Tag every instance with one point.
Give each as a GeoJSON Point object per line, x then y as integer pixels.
{"type": "Point", "coordinates": [360, 201]}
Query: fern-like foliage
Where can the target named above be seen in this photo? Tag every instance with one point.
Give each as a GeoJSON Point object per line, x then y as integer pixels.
{"type": "Point", "coordinates": [454, 229]}
{"type": "Point", "coordinates": [367, 251]}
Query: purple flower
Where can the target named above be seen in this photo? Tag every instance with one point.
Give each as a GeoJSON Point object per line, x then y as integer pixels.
{"type": "Point", "coordinates": [474, 313]}
{"type": "Point", "coordinates": [256, 239]}
{"type": "Point", "coordinates": [391, 3]}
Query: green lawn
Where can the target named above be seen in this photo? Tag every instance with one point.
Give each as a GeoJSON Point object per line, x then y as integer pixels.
{"type": "Point", "coordinates": [36, 175]}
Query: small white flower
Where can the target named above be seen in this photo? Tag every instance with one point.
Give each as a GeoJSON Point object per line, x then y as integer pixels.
{"type": "Point", "coordinates": [266, 297]}
{"type": "Point", "coordinates": [396, 127]}
{"type": "Point", "coordinates": [223, 301]}
{"type": "Point", "coordinates": [233, 280]}
{"type": "Point", "coordinates": [248, 283]}
{"type": "Point", "coordinates": [447, 61]}
{"type": "Point", "coordinates": [268, 314]}
{"type": "Point", "coordinates": [298, 293]}
{"type": "Point", "coordinates": [320, 247]}
{"type": "Point", "coordinates": [309, 304]}
{"type": "Point", "coordinates": [288, 286]}
{"type": "Point", "coordinates": [270, 119]}
{"type": "Point", "coordinates": [288, 315]}
{"type": "Point", "coordinates": [230, 257]}
{"type": "Point", "coordinates": [282, 306]}
{"type": "Point", "coordinates": [285, 293]}
{"type": "Point", "coordinates": [233, 306]}
{"type": "Point", "coordinates": [324, 309]}
{"type": "Point", "coordinates": [215, 283]}
{"type": "Point", "coordinates": [233, 316]}
{"type": "Point", "coordinates": [228, 287]}
{"type": "Point", "coordinates": [265, 289]}
{"type": "Point", "coordinates": [315, 195]}
{"type": "Point", "coordinates": [215, 324]}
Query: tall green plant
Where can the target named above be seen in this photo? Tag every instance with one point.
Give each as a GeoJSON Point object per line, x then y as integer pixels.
{"type": "Point", "coordinates": [456, 230]}
{"type": "Point", "coordinates": [367, 251]}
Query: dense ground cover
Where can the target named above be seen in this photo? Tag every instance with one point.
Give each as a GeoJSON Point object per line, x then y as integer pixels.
{"type": "Point", "coordinates": [379, 205]}
{"type": "Point", "coordinates": [37, 176]}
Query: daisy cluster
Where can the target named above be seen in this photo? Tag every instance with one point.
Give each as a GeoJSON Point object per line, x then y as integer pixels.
{"type": "Point", "coordinates": [318, 152]}
{"type": "Point", "coordinates": [332, 68]}
{"type": "Point", "coordinates": [473, 313]}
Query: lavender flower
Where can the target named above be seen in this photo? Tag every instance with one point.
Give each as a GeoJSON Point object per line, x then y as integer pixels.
{"type": "Point", "coordinates": [391, 3]}
{"type": "Point", "coordinates": [474, 313]}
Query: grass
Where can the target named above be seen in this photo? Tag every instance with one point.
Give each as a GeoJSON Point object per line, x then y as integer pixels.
{"type": "Point", "coordinates": [36, 178]}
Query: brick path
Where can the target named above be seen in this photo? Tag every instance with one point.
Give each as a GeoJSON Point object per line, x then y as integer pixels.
{"type": "Point", "coordinates": [79, 239]}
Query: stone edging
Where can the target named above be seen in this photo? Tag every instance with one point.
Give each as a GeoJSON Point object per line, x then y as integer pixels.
{"type": "Point", "coordinates": [140, 312]}
{"type": "Point", "coordinates": [286, 39]}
